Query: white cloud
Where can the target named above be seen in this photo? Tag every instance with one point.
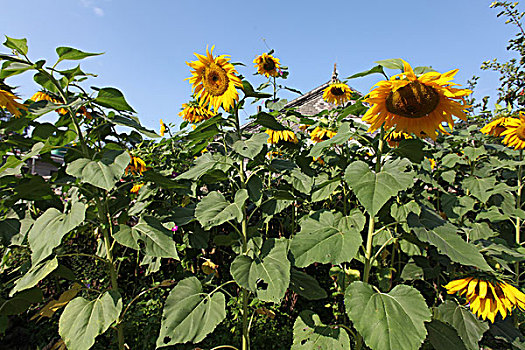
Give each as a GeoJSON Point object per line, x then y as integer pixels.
{"type": "Point", "coordinates": [91, 5]}
{"type": "Point", "coordinates": [98, 11]}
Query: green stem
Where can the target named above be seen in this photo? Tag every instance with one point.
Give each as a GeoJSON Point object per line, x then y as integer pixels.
{"type": "Point", "coordinates": [371, 227]}
{"type": "Point", "coordinates": [518, 206]}
{"type": "Point", "coordinates": [245, 295]}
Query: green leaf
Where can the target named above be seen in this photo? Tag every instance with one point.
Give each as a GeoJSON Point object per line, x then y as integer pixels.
{"type": "Point", "coordinates": [19, 45]}
{"type": "Point", "coordinates": [34, 275]}
{"type": "Point", "coordinates": [327, 238]}
{"type": "Point", "coordinates": [342, 136]}
{"type": "Point", "coordinates": [388, 321]}
{"type": "Point", "coordinates": [268, 121]}
{"type": "Point", "coordinates": [451, 160]}
{"type": "Point", "coordinates": [393, 63]}
{"type": "Point", "coordinates": [506, 331]}
{"type": "Point", "coordinates": [13, 165]}
{"type": "Point", "coordinates": [251, 147]}
{"type": "Point", "coordinates": [254, 187]}
{"type": "Point", "coordinates": [325, 190]}
{"type": "Point", "coordinates": [69, 53]}
{"type": "Point", "coordinates": [112, 98]}
{"type": "Point", "coordinates": [267, 274]}
{"type": "Point", "coordinates": [480, 188]}
{"type": "Point", "coordinates": [132, 122]}
{"type": "Point", "coordinates": [205, 163]}
{"type": "Point", "coordinates": [276, 106]}
{"type": "Point", "coordinates": [309, 333]}
{"type": "Point", "coordinates": [157, 241]}
{"type": "Point", "coordinates": [411, 149]}
{"type": "Point", "coordinates": [250, 92]}
{"type": "Point", "coordinates": [374, 189]}
{"type": "Point", "coordinates": [161, 180]}
{"type": "Point", "coordinates": [189, 314]}
{"type": "Point", "coordinates": [301, 182]}
{"type": "Point", "coordinates": [214, 209]}
{"type": "Point", "coordinates": [376, 69]}
{"type": "Point", "coordinates": [102, 173]}
{"type": "Point", "coordinates": [49, 229]}
{"type": "Point", "coordinates": [306, 285]}
{"type": "Point", "coordinates": [83, 320]}
{"type": "Point", "coordinates": [430, 228]}
{"type": "Point", "coordinates": [422, 70]}
{"type": "Point", "coordinates": [443, 336]}
{"type": "Point", "coordinates": [469, 328]}
{"type": "Point", "coordinates": [21, 301]}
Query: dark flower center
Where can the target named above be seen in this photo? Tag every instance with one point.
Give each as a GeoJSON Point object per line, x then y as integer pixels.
{"type": "Point", "coordinates": [268, 64]}
{"type": "Point", "coordinates": [414, 100]}
{"type": "Point", "coordinates": [215, 80]}
{"type": "Point", "coordinates": [337, 91]}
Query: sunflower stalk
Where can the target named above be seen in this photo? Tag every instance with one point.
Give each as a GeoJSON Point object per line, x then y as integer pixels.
{"type": "Point", "coordinates": [518, 206]}
{"type": "Point", "coordinates": [245, 294]}
{"type": "Point", "coordinates": [371, 226]}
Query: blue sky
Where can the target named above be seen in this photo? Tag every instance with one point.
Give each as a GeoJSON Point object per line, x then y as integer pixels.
{"type": "Point", "coordinates": [146, 43]}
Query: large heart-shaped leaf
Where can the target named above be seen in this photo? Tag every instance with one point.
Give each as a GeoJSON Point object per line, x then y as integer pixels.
{"type": "Point", "coordinates": [309, 333]}
{"type": "Point", "coordinates": [112, 98]}
{"type": "Point", "coordinates": [83, 320]}
{"type": "Point", "coordinates": [326, 237]}
{"type": "Point", "coordinates": [468, 326]}
{"type": "Point", "coordinates": [205, 163]}
{"type": "Point", "coordinates": [267, 274]}
{"type": "Point", "coordinates": [49, 229]}
{"type": "Point", "coordinates": [215, 210]}
{"type": "Point", "coordinates": [374, 189]}
{"type": "Point", "coordinates": [37, 273]}
{"type": "Point", "coordinates": [444, 337]}
{"type": "Point", "coordinates": [480, 188]}
{"type": "Point", "coordinates": [102, 173]}
{"type": "Point", "coordinates": [388, 321]}
{"type": "Point", "coordinates": [251, 147]}
{"type": "Point", "coordinates": [306, 285]}
{"type": "Point", "coordinates": [430, 228]}
{"type": "Point", "coordinates": [189, 314]}
{"type": "Point", "coordinates": [157, 240]}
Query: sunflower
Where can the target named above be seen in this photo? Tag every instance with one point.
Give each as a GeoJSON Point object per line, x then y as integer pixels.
{"type": "Point", "coordinates": [495, 127]}
{"type": "Point", "coordinates": [209, 267]}
{"type": "Point", "coordinates": [267, 65]}
{"type": "Point", "coordinates": [487, 297]}
{"type": "Point", "coordinates": [337, 93]}
{"type": "Point", "coordinates": [136, 166]}
{"type": "Point", "coordinates": [83, 111]}
{"type": "Point", "coordinates": [515, 132]}
{"type": "Point", "coordinates": [195, 113]}
{"type": "Point", "coordinates": [416, 105]}
{"type": "Point", "coordinates": [393, 138]}
{"type": "Point", "coordinates": [8, 101]}
{"type": "Point", "coordinates": [432, 162]}
{"type": "Point", "coordinates": [214, 80]}
{"type": "Point", "coordinates": [274, 136]}
{"type": "Point", "coordinates": [320, 134]}
{"type": "Point", "coordinates": [162, 128]}
{"type": "Point", "coordinates": [136, 187]}
{"type": "Point", "coordinates": [42, 96]}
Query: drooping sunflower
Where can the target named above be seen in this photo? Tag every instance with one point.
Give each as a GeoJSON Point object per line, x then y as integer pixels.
{"type": "Point", "coordinates": [8, 101]}
{"type": "Point", "coordinates": [495, 127]}
{"type": "Point", "coordinates": [337, 93]}
{"type": "Point", "coordinates": [394, 137]}
{"type": "Point", "coordinates": [515, 132]}
{"type": "Point", "coordinates": [320, 134]}
{"type": "Point", "coordinates": [42, 96]}
{"type": "Point", "coordinates": [162, 128]}
{"type": "Point", "coordinates": [417, 105]}
{"type": "Point", "coordinates": [194, 113]}
{"type": "Point", "coordinates": [267, 65]}
{"type": "Point", "coordinates": [274, 136]}
{"type": "Point", "coordinates": [136, 166]}
{"type": "Point", "coordinates": [214, 80]}
{"type": "Point", "coordinates": [487, 297]}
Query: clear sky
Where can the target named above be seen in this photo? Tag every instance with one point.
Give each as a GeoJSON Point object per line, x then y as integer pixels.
{"type": "Point", "coordinates": [146, 43]}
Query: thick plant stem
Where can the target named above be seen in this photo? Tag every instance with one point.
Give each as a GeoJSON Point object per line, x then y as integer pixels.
{"type": "Point", "coordinates": [107, 233]}
{"type": "Point", "coordinates": [245, 295]}
{"type": "Point", "coordinates": [371, 228]}
{"type": "Point", "coordinates": [518, 206]}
